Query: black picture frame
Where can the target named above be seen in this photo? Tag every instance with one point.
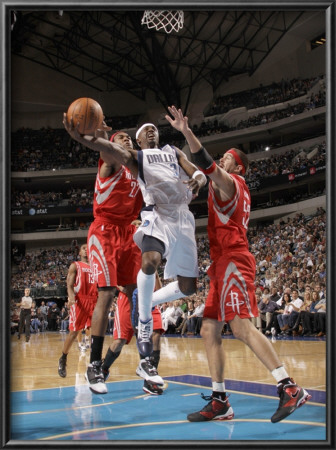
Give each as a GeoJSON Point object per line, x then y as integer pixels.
{"type": "Point", "coordinates": [6, 6]}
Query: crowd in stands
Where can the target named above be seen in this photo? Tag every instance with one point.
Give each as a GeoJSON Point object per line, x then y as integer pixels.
{"type": "Point", "coordinates": [52, 149]}
{"type": "Point", "coordinates": [122, 122]}
{"type": "Point", "coordinates": [289, 162]}
{"type": "Point", "coordinates": [263, 95]}
{"type": "Point", "coordinates": [74, 196]}
{"type": "Point", "coordinates": [290, 255]}
{"type": "Point", "coordinates": [315, 101]}
{"type": "Point", "coordinates": [44, 268]}
{"type": "Point", "coordinates": [211, 127]}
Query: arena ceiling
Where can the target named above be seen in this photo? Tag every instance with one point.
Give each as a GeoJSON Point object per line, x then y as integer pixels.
{"type": "Point", "coordinates": [110, 50]}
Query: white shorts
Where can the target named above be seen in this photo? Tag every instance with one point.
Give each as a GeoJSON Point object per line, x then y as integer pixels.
{"type": "Point", "coordinates": [175, 227]}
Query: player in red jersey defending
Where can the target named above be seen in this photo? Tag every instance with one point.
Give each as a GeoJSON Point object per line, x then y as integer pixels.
{"type": "Point", "coordinates": [82, 299]}
{"type": "Point", "coordinates": [231, 296]}
{"type": "Point", "coordinates": [113, 255]}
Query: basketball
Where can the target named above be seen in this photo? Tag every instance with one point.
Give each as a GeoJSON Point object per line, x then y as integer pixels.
{"type": "Point", "coordinates": [87, 113]}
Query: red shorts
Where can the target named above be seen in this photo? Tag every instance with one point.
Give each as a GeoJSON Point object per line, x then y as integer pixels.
{"type": "Point", "coordinates": [232, 289]}
{"type": "Point", "coordinates": [114, 257]}
{"type": "Point", "coordinates": [122, 319]}
{"type": "Point", "coordinates": [81, 313]}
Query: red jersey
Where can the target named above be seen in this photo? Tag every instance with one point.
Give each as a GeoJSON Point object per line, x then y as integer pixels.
{"type": "Point", "coordinates": [228, 221]}
{"type": "Point", "coordinates": [85, 287]}
{"type": "Point", "coordinates": [117, 198]}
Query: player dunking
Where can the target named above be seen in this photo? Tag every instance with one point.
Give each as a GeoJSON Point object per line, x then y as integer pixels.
{"type": "Point", "coordinates": [82, 299]}
{"type": "Point", "coordinates": [231, 296]}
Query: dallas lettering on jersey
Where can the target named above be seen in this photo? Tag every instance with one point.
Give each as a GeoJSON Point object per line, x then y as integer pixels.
{"type": "Point", "coordinates": [161, 158]}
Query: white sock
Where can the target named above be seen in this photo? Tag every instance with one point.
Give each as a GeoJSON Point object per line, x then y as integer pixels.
{"type": "Point", "coordinates": [145, 285]}
{"type": "Point", "coordinates": [280, 373]}
{"type": "Point", "coordinates": [168, 293]}
{"type": "Point", "coordinates": [218, 387]}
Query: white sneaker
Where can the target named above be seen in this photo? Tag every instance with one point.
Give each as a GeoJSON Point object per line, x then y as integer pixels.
{"type": "Point", "coordinates": [148, 372]}
{"type": "Point", "coordinates": [95, 377]}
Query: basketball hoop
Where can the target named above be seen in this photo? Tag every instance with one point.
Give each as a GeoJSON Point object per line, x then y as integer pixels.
{"type": "Point", "coordinates": [168, 20]}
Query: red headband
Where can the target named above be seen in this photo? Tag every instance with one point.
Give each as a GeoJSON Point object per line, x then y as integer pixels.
{"type": "Point", "coordinates": [237, 159]}
{"type": "Point", "coordinates": [114, 135]}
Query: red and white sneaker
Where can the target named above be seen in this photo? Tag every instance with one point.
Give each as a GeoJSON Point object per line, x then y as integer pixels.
{"type": "Point", "coordinates": [216, 409]}
{"type": "Point", "coordinates": [152, 388]}
{"type": "Point", "coordinates": [292, 397]}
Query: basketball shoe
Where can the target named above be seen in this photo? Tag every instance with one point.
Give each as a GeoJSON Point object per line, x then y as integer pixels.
{"type": "Point", "coordinates": [95, 377]}
{"type": "Point", "coordinates": [152, 388]}
{"type": "Point", "coordinates": [216, 409]}
{"type": "Point", "coordinates": [62, 367]}
{"type": "Point", "coordinates": [292, 397]}
{"type": "Point", "coordinates": [144, 337]}
{"type": "Point", "coordinates": [148, 372]}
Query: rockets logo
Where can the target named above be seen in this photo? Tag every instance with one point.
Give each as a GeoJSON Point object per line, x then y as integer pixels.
{"type": "Point", "coordinates": [235, 302]}
{"type": "Point", "coordinates": [234, 291]}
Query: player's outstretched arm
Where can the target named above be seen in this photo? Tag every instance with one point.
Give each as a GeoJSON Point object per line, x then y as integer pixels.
{"type": "Point", "coordinates": [180, 123]}
{"type": "Point", "coordinates": [113, 153]}
{"type": "Point", "coordinates": [199, 155]}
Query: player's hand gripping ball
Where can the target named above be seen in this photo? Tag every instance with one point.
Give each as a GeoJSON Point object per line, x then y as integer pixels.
{"type": "Point", "coordinates": [86, 114]}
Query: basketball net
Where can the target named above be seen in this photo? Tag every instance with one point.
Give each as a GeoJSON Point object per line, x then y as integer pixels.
{"type": "Point", "coordinates": [167, 20]}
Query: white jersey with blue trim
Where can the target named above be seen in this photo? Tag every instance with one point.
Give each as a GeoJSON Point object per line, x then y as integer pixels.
{"type": "Point", "coordinates": [161, 178]}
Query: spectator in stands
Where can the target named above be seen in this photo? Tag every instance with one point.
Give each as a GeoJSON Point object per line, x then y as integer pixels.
{"type": "Point", "coordinates": [320, 317]}
{"type": "Point", "coordinates": [186, 316]}
{"type": "Point", "coordinates": [284, 311]}
{"type": "Point", "coordinates": [172, 317]}
{"type": "Point", "coordinates": [303, 322]}
{"type": "Point", "coordinates": [64, 320]}
{"type": "Point", "coordinates": [267, 307]}
{"type": "Point", "coordinates": [54, 315]}
{"type": "Point", "coordinates": [34, 321]}
{"type": "Point", "coordinates": [195, 320]}
{"type": "Point", "coordinates": [111, 314]}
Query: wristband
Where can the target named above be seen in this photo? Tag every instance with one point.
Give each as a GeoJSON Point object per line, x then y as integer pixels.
{"type": "Point", "coordinates": [199, 172]}
{"type": "Point", "coordinates": [210, 169]}
{"type": "Point", "coordinates": [203, 160]}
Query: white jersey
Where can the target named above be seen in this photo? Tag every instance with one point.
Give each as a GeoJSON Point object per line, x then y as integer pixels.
{"type": "Point", "coordinates": [161, 178]}
{"type": "Point", "coordinates": [167, 216]}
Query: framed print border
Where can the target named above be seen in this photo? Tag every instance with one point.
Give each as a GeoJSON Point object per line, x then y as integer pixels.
{"type": "Point", "coordinates": [7, 86]}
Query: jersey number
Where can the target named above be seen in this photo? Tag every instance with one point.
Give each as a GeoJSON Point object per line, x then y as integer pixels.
{"type": "Point", "coordinates": [91, 278]}
{"type": "Point", "coordinates": [246, 217]}
{"type": "Point", "coordinates": [135, 189]}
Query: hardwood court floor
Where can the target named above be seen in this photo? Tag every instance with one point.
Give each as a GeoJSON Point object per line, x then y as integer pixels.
{"type": "Point", "coordinates": [34, 364]}
{"type": "Point", "coordinates": [47, 407]}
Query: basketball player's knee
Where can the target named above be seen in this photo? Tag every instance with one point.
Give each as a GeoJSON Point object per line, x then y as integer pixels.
{"type": "Point", "coordinates": [243, 333]}
{"type": "Point", "coordinates": [117, 345]}
{"type": "Point", "coordinates": [204, 332]}
{"type": "Point", "coordinates": [149, 267]}
{"type": "Point", "coordinates": [150, 263]}
{"type": "Point", "coordinates": [187, 286]}
{"type": "Point", "coordinates": [209, 335]}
